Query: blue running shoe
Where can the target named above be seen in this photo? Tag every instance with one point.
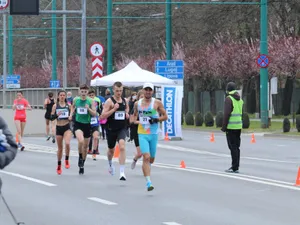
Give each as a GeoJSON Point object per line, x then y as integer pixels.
{"type": "Point", "coordinates": [149, 186]}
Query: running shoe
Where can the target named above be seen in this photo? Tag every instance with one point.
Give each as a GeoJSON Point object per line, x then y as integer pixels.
{"type": "Point", "coordinates": [111, 170]}
{"type": "Point", "coordinates": [149, 186]}
{"type": "Point", "coordinates": [133, 164]}
{"type": "Point", "coordinates": [59, 170]}
{"type": "Point", "coordinates": [122, 176]}
{"type": "Point", "coordinates": [67, 164]}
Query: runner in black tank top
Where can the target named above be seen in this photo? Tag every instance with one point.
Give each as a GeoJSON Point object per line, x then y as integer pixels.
{"type": "Point", "coordinates": [48, 104]}
{"type": "Point", "coordinates": [61, 112]}
{"type": "Point", "coordinates": [116, 111]}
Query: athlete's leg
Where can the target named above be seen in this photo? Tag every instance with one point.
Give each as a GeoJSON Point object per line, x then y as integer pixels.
{"type": "Point", "coordinates": [111, 142]}
{"type": "Point", "coordinates": [153, 147]}
{"type": "Point", "coordinates": [59, 139]}
{"type": "Point", "coordinates": [67, 138]}
{"type": "Point", "coordinates": [145, 149]}
{"type": "Point", "coordinates": [47, 129]}
{"type": "Point", "coordinates": [53, 128]}
{"type": "Point", "coordinates": [23, 124]}
{"type": "Point", "coordinates": [122, 159]}
{"type": "Point", "coordinates": [19, 132]}
{"type": "Point", "coordinates": [80, 139]}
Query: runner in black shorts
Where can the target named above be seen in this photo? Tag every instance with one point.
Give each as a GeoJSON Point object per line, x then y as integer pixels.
{"type": "Point", "coordinates": [61, 112]}
{"type": "Point", "coordinates": [84, 110]}
{"type": "Point", "coordinates": [48, 104]}
{"type": "Point", "coordinates": [134, 132]}
{"type": "Point", "coordinates": [94, 141]}
{"type": "Point", "coordinates": [116, 111]}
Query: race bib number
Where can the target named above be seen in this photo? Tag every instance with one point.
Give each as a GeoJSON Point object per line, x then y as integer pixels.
{"type": "Point", "coordinates": [20, 107]}
{"type": "Point", "coordinates": [63, 113]}
{"type": "Point", "coordinates": [144, 120]}
{"type": "Point", "coordinates": [120, 115]}
{"type": "Point", "coordinates": [82, 111]}
{"type": "Point", "coordinates": [94, 120]}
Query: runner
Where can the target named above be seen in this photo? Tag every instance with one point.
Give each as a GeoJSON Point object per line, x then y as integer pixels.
{"type": "Point", "coordinates": [148, 109]}
{"type": "Point", "coordinates": [61, 112]}
{"type": "Point", "coordinates": [48, 105]}
{"type": "Point", "coordinates": [84, 109]}
{"type": "Point", "coordinates": [20, 106]}
{"type": "Point", "coordinates": [116, 111]}
{"type": "Point", "coordinates": [94, 141]}
{"type": "Point", "coordinates": [134, 129]}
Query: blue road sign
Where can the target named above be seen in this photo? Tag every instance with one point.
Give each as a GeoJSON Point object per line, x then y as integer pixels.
{"type": "Point", "coordinates": [172, 69]}
{"type": "Point", "coordinates": [263, 61]}
{"type": "Point", "coordinates": [54, 83]}
{"type": "Point", "coordinates": [12, 81]}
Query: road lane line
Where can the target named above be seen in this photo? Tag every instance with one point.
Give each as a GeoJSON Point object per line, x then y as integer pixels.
{"type": "Point", "coordinates": [182, 149]}
{"type": "Point", "coordinates": [171, 223]}
{"type": "Point", "coordinates": [29, 178]}
{"type": "Point", "coordinates": [238, 174]}
{"type": "Point", "coordinates": [103, 201]}
{"type": "Point", "coordinates": [243, 177]}
{"type": "Point", "coordinates": [233, 177]}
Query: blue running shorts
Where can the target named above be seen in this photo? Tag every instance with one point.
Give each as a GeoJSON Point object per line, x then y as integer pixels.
{"type": "Point", "coordinates": [148, 144]}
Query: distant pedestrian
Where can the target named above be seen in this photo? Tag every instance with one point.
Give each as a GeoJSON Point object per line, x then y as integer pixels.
{"type": "Point", "coordinates": [232, 124]}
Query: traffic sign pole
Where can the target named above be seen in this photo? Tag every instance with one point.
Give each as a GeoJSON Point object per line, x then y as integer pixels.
{"type": "Point", "coordinates": [264, 113]}
{"type": "Point", "coordinates": [4, 61]}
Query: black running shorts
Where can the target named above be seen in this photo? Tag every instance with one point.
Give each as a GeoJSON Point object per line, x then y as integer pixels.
{"type": "Point", "coordinates": [114, 136]}
{"type": "Point", "coordinates": [84, 127]}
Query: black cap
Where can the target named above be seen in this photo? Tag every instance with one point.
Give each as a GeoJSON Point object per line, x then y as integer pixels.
{"type": "Point", "coordinates": [230, 86]}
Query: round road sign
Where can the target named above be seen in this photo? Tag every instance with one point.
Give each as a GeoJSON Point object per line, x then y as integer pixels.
{"type": "Point", "coordinates": [4, 4]}
{"type": "Point", "coordinates": [263, 61]}
{"type": "Point", "coordinates": [96, 49]}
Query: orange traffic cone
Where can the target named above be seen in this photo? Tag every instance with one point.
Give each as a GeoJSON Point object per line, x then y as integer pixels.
{"type": "Point", "coordinates": [117, 151]}
{"type": "Point", "coordinates": [167, 137]}
{"type": "Point", "coordinates": [253, 139]}
{"type": "Point", "coordinates": [182, 164]}
{"type": "Point", "coordinates": [298, 178]}
{"type": "Point", "coordinates": [212, 137]}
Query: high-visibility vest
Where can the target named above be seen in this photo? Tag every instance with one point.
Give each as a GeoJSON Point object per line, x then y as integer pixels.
{"type": "Point", "coordinates": [235, 119]}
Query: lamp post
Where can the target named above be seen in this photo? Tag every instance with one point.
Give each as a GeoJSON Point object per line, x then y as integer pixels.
{"type": "Point", "coordinates": [54, 45]}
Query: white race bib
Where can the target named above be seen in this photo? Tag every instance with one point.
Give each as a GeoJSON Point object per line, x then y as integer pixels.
{"type": "Point", "coordinates": [144, 120]}
{"type": "Point", "coordinates": [82, 111]}
{"type": "Point", "coordinates": [119, 115]}
{"type": "Point", "coordinates": [94, 120]}
{"type": "Point", "coordinates": [64, 113]}
{"type": "Point", "coordinates": [20, 107]}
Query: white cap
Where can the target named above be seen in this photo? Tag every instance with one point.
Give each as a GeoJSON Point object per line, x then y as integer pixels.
{"type": "Point", "coordinates": [148, 85]}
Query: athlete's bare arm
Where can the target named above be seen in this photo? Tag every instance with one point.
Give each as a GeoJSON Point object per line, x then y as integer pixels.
{"type": "Point", "coordinates": [161, 110]}
{"type": "Point", "coordinates": [92, 110]}
{"type": "Point", "coordinates": [135, 113]}
{"type": "Point", "coordinates": [45, 103]}
{"type": "Point", "coordinates": [108, 109]}
{"type": "Point", "coordinates": [72, 110]}
{"type": "Point", "coordinates": [53, 109]}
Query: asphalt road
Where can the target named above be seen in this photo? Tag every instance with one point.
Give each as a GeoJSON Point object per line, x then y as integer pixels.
{"type": "Point", "coordinates": [263, 193]}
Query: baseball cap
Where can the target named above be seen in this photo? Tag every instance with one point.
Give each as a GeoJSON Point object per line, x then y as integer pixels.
{"type": "Point", "coordinates": [148, 85]}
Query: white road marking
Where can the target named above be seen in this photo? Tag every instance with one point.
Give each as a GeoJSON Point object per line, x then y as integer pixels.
{"type": "Point", "coordinates": [241, 175]}
{"type": "Point", "coordinates": [182, 149]}
{"type": "Point", "coordinates": [29, 178]}
{"type": "Point", "coordinates": [234, 177]}
{"type": "Point", "coordinates": [103, 201]}
{"type": "Point", "coordinates": [171, 223]}
{"type": "Point", "coordinates": [249, 178]}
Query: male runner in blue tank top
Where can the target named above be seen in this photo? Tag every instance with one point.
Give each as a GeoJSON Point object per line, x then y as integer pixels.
{"type": "Point", "coordinates": [150, 111]}
{"type": "Point", "coordinates": [116, 110]}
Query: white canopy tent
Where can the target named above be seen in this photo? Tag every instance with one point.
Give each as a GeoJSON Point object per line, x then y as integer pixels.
{"type": "Point", "coordinates": [132, 76]}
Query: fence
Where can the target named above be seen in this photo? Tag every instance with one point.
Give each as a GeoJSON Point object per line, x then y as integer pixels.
{"type": "Point", "coordinates": [35, 96]}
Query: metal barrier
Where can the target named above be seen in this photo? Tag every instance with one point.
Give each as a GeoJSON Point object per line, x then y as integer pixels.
{"type": "Point", "coordinates": [35, 96]}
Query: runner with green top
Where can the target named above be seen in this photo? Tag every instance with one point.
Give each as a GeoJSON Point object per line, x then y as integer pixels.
{"type": "Point", "coordinates": [84, 109]}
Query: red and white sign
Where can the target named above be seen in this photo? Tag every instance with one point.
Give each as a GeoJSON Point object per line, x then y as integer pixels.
{"type": "Point", "coordinates": [96, 49]}
{"type": "Point", "coordinates": [97, 67]}
{"type": "Point", "coordinates": [4, 4]}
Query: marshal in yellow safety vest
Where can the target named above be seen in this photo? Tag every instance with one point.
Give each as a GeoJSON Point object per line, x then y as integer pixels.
{"type": "Point", "coordinates": [235, 119]}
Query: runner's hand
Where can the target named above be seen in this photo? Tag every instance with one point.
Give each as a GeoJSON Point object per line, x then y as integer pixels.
{"type": "Point", "coordinates": [127, 115]}
{"type": "Point", "coordinates": [116, 106]}
{"type": "Point", "coordinates": [87, 106]}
